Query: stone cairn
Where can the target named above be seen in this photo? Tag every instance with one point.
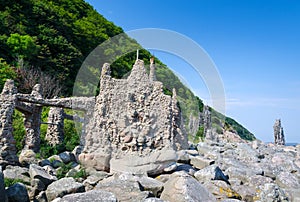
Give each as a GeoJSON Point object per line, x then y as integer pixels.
{"type": "Point", "coordinates": [278, 133]}
{"type": "Point", "coordinates": [135, 127]}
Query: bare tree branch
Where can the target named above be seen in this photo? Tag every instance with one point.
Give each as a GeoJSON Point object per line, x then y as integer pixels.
{"type": "Point", "coordinates": [29, 76]}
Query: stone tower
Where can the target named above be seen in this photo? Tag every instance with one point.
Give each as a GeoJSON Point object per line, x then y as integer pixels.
{"type": "Point", "coordinates": [278, 133]}
{"type": "Point", "coordinates": [135, 127]}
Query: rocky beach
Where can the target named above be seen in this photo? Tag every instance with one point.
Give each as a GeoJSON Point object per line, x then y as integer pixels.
{"type": "Point", "coordinates": [208, 171]}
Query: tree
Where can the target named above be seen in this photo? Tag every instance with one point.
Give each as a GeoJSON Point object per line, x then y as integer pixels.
{"type": "Point", "coordinates": [28, 77]}
{"type": "Point", "coordinates": [22, 46]}
{"type": "Point", "coordinates": [6, 72]}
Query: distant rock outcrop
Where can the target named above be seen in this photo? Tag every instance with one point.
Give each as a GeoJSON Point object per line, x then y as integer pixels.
{"type": "Point", "coordinates": [278, 133]}
{"type": "Point", "coordinates": [135, 127]}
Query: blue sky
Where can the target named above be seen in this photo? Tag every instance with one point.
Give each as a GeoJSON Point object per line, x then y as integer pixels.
{"type": "Point", "coordinates": [254, 44]}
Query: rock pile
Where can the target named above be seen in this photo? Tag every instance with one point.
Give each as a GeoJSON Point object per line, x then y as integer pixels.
{"type": "Point", "coordinates": [208, 171]}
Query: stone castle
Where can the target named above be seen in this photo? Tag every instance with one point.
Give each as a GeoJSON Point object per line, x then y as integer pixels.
{"type": "Point", "coordinates": [130, 126]}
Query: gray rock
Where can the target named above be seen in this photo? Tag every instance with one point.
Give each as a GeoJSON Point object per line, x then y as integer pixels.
{"type": "Point", "coordinates": [201, 162]}
{"type": "Point", "coordinates": [183, 156]}
{"type": "Point", "coordinates": [295, 194]}
{"type": "Point", "coordinates": [271, 192]}
{"type": "Point", "coordinates": [242, 172]}
{"type": "Point", "coordinates": [163, 178]}
{"type": "Point", "coordinates": [3, 196]}
{"type": "Point", "coordinates": [44, 162]}
{"type": "Point", "coordinates": [246, 152]}
{"type": "Point", "coordinates": [171, 167]}
{"type": "Point", "coordinates": [153, 164]}
{"type": "Point", "coordinates": [150, 184]}
{"type": "Point", "coordinates": [124, 187]}
{"type": "Point", "coordinates": [94, 177]}
{"type": "Point", "coordinates": [37, 172]}
{"type": "Point", "coordinates": [41, 197]}
{"type": "Point", "coordinates": [56, 163]}
{"type": "Point", "coordinates": [192, 152]}
{"type": "Point", "coordinates": [248, 193]}
{"type": "Point", "coordinates": [186, 168]}
{"type": "Point", "coordinates": [90, 196]}
{"type": "Point", "coordinates": [17, 173]}
{"type": "Point", "coordinates": [151, 199]}
{"type": "Point", "coordinates": [258, 180]}
{"type": "Point", "coordinates": [221, 190]}
{"type": "Point", "coordinates": [219, 175]}
{"type": "Point", "coordinates": [203, 148]}
{"type": "Point", "coordinates": [63, 187]}
{"type": "Point", "coordinates": [17, 193]}
{"type": "Point", "coordinates": [288, 180]}
{"type": "Point", "coordinates": [50, 170]}
{"type": "Point", "coordinates": [36, 187]}
{"type": "Point", "coordinates": [182, 187]}
{"type": "Point", "coordinates": [27, 157]}
{"type": "Point", "coordinates": [206, 174]}
{"type": "Point", "coordinates": [66, 157]}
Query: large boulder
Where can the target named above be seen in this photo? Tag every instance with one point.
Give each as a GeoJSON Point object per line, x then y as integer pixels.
{"type": "Point", "coordinates": [182, 187]}
{"type": "Point", "coordinates": [66, 157]}
{"type": "Point", "coordinates": [90, 196]}
{"type": "Point", "coordinates": [63, 187]}
{"type": "Point", "coordinates": [125, 187]}
{"type": "Point", "coordinates": [37, 172]}
{"type": "Point", "coordinates": [17, 193]}
{"type": "Point", "coordinates": [27, 157]}
{"type": "Point", "coordinates": [16, 173]}
{"type": "Point", "coordinates": [271, 192]}
{"type": "Point", "coordinates": [288, 180]}
{"type": "Point", "coordinates": [153, 164]}
{"type": "Point", "coordinates": [200, 162]}
{"type": "Point", "coordinates": [221, 190]}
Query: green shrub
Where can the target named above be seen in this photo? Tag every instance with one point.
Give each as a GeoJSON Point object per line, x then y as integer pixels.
{"type": "Point", "coordinates": [18, 130]}
{"type": "Point", "coordinates": [71, 136]}
{"type": "Point", "coordinates": [63, 170]}
{"type": "Point", "coordinates": [9, 182]}
{"type": "Point", "coordinates": [199, 135]}
{"type": "Point", "coordinates": [81, 174]}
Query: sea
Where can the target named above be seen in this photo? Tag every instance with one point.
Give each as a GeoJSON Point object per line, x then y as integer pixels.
{"type": "Point", "coordinates": [291, 144]}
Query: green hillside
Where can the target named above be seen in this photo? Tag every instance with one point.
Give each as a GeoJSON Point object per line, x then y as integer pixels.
{"type": "Point", "coordinates": [52, 38]}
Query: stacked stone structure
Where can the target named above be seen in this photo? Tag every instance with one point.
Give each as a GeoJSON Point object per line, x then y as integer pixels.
{"type": "Point", "coordinates": [7, 142]}
{"type": "Point", "coordinates": [135, 126]}
{"type": "Point", "coordinates": [278, 133]}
